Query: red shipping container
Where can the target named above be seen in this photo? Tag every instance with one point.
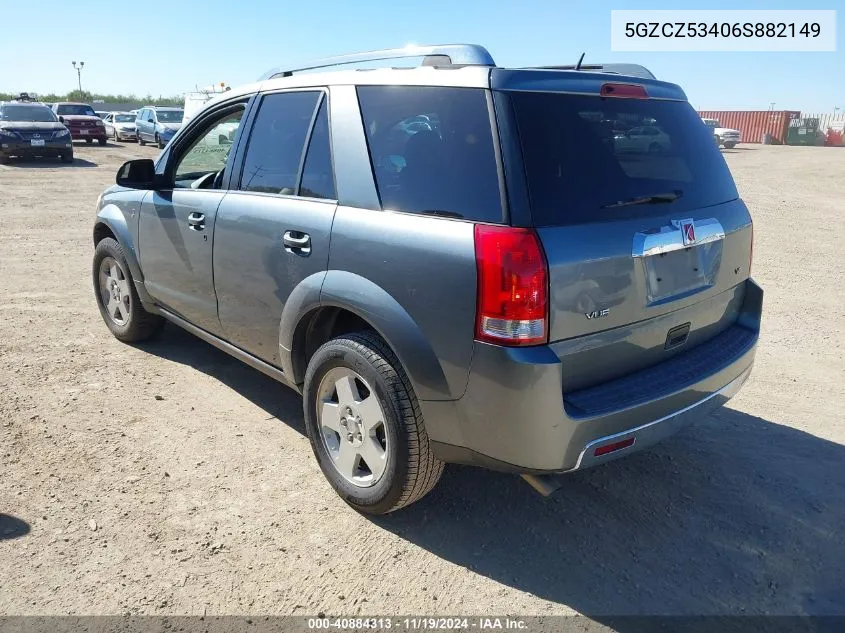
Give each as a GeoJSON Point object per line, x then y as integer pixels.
{"type": "Point", "coordinates": [754, 124]}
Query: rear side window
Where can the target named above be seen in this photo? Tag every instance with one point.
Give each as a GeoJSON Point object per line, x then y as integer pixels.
{"type": "Point", "coordinates": [275, 145]}
{"type": "Point", "coordinates": [585, 155]}
{"type": "Point", "coordinates": [317, 175]}
{"type": "Point", "coordinates": [432, 150]}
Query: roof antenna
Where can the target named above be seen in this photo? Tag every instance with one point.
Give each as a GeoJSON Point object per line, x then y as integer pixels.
{"type": "Point", "coordinates": [580, 59]}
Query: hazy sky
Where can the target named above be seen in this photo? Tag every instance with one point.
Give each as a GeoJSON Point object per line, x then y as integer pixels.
{"type": "Point", "coordinates": [167, 47]}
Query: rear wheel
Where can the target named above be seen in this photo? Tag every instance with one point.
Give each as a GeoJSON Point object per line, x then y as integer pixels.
{"type": "Point", "coordinates": [89, 140]}
{"type": "Point", "coordinates": [365, 425]}
{"type": "Point", "coordinates": [730, 145]}
{"type": "Point", "coordinates": [117, 298]}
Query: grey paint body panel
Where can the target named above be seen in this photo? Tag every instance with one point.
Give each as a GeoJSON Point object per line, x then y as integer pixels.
{"type": "Point", "coordinates": [254, 274]}
{"type": "Point", "coordinates": [393, 251]}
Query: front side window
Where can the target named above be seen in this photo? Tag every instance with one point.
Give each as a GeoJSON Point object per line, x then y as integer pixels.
{"type": "Point", "coordinates": [432, 150]}
{"type": "Point", "coordinates": [208, 153]}
{"type": "Point", "coordinates": [271, 164]}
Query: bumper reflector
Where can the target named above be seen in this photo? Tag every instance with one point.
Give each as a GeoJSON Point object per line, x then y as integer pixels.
{"type": "Point", "coordinates": [616, 446]}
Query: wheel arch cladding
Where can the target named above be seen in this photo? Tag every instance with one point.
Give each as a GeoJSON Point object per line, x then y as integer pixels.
{"type": "Point", "coordinates": [373, 306]}
{"type": "Point", "coordinates": [112, 223]}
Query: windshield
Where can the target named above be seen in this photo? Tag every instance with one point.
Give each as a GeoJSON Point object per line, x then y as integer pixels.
{"type": "Point", "coordinates": [711, 122]}
{"type": "Point", "coordinates": [29, 113]}
{"type": "Point", "coordinates": [170, 116]}
{"type": "Point", "coordinates": [124, 118]}
{"type": "Point", "coordinates": [584, 155]}
{"type": "Point", "coordinates": [75, 109]}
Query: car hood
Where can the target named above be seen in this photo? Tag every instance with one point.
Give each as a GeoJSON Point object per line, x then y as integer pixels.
{"type": "Point", "coordinates": [22, 126]}
{"type": "Point", "coordinates": [124, 124]}
{"type": "Point", "coordinates": [79, 117]}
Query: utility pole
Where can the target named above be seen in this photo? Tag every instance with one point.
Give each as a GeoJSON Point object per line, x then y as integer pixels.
{"type": "Point", "coordinates": [79, 73]}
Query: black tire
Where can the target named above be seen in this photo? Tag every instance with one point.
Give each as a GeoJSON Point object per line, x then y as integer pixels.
{"type": "Point", "coordinates": [141, 141]}
{"type": "Point", "coordinates": [4, 159]}
{"type": "Point", "coordinates": [730, 145]}
{"type": "Point", "coordinates": [67, 157]}
{"type": "Point", "coordinates": [89, 140]}
{"type": "Point", "coordinates": [140, 325]}
{"type": "Point", "coordinates": [159, 142]}
{"type": "Point", "coordinates": [101, 141]}
{"type": "Point", "coordinates": [116, 139]}
{"type": "Point", "coordinates": [411, 469]}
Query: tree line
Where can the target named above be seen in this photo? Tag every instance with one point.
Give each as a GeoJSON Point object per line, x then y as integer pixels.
{"type": "Point", "coordinates": [84, 96]}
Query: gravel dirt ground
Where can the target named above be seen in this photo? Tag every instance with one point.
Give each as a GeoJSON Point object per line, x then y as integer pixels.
{"type": "Point", "coordinates": [168, 478]}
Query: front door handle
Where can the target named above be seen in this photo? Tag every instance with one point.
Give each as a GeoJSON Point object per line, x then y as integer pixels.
{"type": "Point", "coordinates": [297, 242]}
{"type": "Point", "coordinates": [196, 221]}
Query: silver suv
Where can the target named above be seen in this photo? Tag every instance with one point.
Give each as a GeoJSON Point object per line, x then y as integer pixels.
{"type": "Point", "coordinates": [455, 262]}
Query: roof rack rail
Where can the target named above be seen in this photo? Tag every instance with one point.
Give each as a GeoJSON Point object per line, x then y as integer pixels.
{"type": "Point", "coordinates": [443, 54]}
{"type": "Point", "coordinates": [632, 70]}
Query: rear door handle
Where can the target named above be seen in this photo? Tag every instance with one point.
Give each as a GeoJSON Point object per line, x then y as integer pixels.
{"type": "Point", "coordinates": [297, 242]}
{"type": "Point", "coordinates": [196, 221]}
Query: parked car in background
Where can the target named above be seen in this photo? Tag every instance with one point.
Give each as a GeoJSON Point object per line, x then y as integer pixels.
{"type": "Point", "coordinates": [32, 129]}
{"type": "Point", "coordinates": [456, 265]}
{"type": "Point", "coordinates": [82, 121]}
{"type": "Point", "coordinates": [101, 113]}
{"type": "Point", "coordinates": [726, 136]}
{"type": "Point", "coordinates": [120, 126]}
{"type": "Point", "coordinates": [158, 124]}
{"type": "Point", "coordinates": [642, 139]}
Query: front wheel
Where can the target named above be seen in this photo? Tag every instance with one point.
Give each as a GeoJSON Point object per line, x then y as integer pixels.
{"type": "Point", "coordinates": [67, 157]}
{"type": "Point", "coordinates": [89, 140]}
{"type": "Point", "coordinates": [141, 141]}
{"type": "Point", "coordinates": [159, 142]}
{"type": "Point", "coordinates": [101, 141]}
{"type": "Point", "coordinates": [730, 145]}
{"type": "Point", "coordinates": [117, 298]}
{"type": "Point", "coordinates": [365, 425]}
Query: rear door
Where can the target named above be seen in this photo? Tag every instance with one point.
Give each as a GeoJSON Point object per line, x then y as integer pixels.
{"type": "Point", "coordinates": [273, 229]}
{"type": "Point", "coordinates": [177, 223]}
{"type": "Point", "coordinates": [641, 224]}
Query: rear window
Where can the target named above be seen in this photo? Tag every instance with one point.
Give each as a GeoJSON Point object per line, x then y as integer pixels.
{"type": "Point", "coordinates": [432, 150]}
{"type": "Point", "coordinates": [586, 155]}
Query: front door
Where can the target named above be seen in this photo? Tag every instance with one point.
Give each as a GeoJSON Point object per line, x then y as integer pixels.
{"type": "Point", "coordinates": [176, 231]}
{"type": "Point", "coordinates": [274, 231]}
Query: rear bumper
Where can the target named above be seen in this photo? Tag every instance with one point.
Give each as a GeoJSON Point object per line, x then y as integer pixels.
{"type": "Point", "coordinates": [516, 417]}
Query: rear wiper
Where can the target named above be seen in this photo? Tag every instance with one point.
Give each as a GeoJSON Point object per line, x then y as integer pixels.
{"type": "Point", "coordinates": [441, 213]}
{"type": "Point", "coordinates": [658, 198]}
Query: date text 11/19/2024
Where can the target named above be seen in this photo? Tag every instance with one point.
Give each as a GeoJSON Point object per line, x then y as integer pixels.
{"type": "Point", "coordinates": [417, 623]}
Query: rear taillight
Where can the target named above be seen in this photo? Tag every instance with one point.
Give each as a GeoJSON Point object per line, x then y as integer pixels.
{"type": "Point", "coordinates": [513, 288]}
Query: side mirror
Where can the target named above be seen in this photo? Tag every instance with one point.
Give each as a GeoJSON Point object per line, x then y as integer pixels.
{"type": "Point", "coordinates": [138, 174]}
{"type": "Point", "coordinates": [61, 119]}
